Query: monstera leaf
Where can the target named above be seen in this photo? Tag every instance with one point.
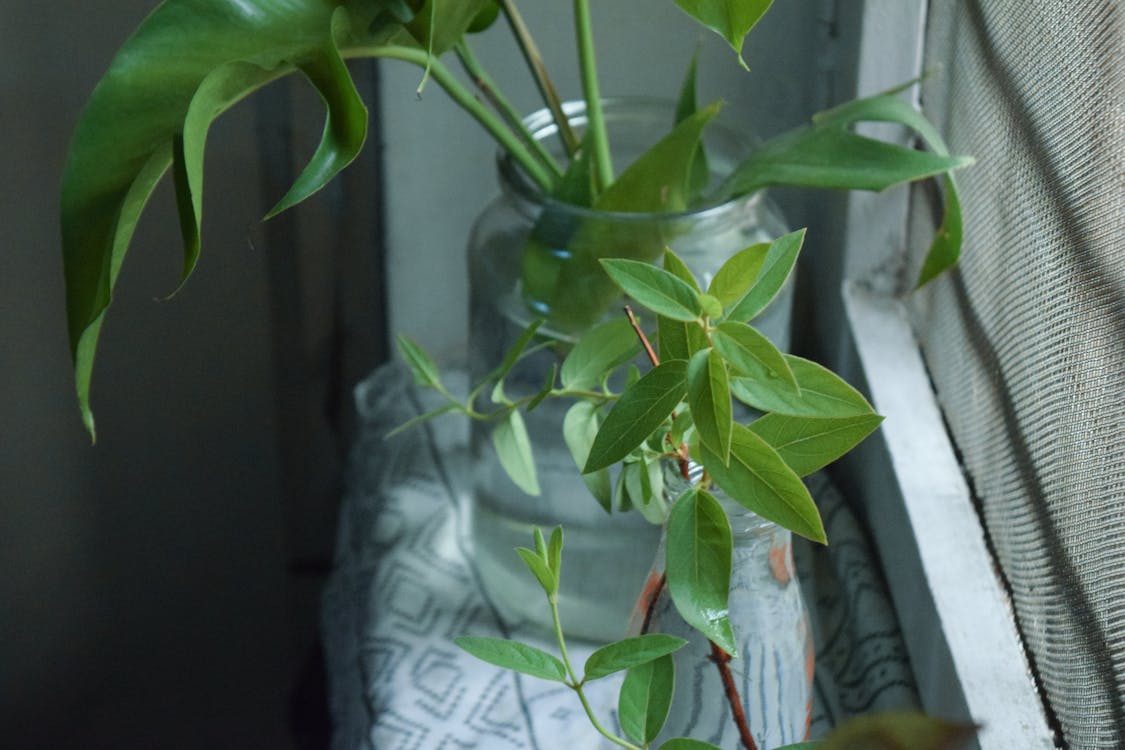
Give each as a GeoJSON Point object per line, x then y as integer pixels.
{"type": "Point", "coordinates": [188, 62]}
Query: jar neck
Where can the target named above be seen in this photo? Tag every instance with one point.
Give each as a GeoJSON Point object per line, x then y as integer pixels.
{"type": "Point", "coordinates": [634, 124]}
{"type": "Point", "coordinates": [746, 525]}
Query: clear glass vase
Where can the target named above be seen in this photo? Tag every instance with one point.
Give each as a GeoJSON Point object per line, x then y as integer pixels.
{"type": "Point", "coordinates": [532, 257]}
{"type": "Point", "coordinates": [773, 670]}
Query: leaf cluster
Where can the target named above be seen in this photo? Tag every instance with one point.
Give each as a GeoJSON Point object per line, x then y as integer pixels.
{"type": "Point", "coordinates": [646, 692]}
{"type": "Point", "coordinates": [191, 60]}
{"type": "Point", "coordinates": [712, 367]}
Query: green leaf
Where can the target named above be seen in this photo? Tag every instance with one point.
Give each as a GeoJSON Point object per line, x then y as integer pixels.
{"type": "Point", "coordinates": [680, 426]}
{"type": "Point", "coordinates": [699, 174]}
{"type": "Point", "coordinates": [642, 490]}
{"type": "Point", "coordinates": [808, 444]}
{"type": "Point", "coordinates": [554, 551]}
{"type": "Point", "coordinates": [635, 483]}
{"type": "Point", "coordinates": [629, 653]}
{"type": "Point", "coordinates": [629, 492]}
{"type": "Point", "coordinates": [601, 350]}
{"type": "Point", "coordinates": [708, 395]}
{"type": "Point", "coordinates": [518, 657]}
{"type": "Point", "coordinates": [485, 17]}
{"type": "Point", "coordinates": [759, 479]}
{"type": "Point", "coordinates": [578, 291]}
{"type": "Point", "coordinates": [646, 696]}
{"type": "Point", "coordinates": [899, 729]}
{"type": "Point", "coordinates": [424, 370]}
{"type": "Point", "coordinates": [801, 746]}
{"type": "Point", "coordinates": [686, 743]}
{"type": "Point", "coordinates": [658, 181]}
{"type": "Point", "coordinates": [513, 354]}
{"type": "Point", "coordinates": [580, 427]}
{"type": "Point", "coordinates": [675, 265]}
{"type": "Point", "coordinates": [576, 187]}
{"type": "Point", "coordinates": [498, 396]}
{"type": "Point", "coordinates": [439, 24]}
{"type": "Point", "coordinates": [945, 249]}
{"type": "Point", "coordinates": [677, 339]}
{"type": "Point", "coordinates": [828, 154]}
{"type": "Point", "coordinates": [698, 565]}
{"type": "Point", "coordinates": [730, 19]}
{"type": "Point", "coordinates": [540, 543]}
{"type": "Point", "coordinates": [545, 389]}
{"type": "Point", "coordinates": [654, 288]}
{"type": "Point", "coordinates": [632, 374]}
{"type": "Point", "coordinates": [778, 264]}
{"type": "Point", "coordinates": [735, 277]}
{"type": "Point", "coordinates": [712, 308]}
{"type": "Point", "coordinates": [186, 63]}
{"type": "Point", "coordinates": [538, 567]}
{"type": "Point", "coordinates": [345, 128]}
{"type": "Point", "coordinates": [752, 354]}
{"type": "Point", "coordinates": [820, 393]}
{"type": "Point", "coordinates": [513, 447]}
{"type": "Point", "coordinates": [654, 508]}
{"type": "Point", "coordinates": [637, 413]}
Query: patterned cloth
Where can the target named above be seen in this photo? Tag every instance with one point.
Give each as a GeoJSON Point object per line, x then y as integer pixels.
{"type": "Point", "coordinates": [403, 588]}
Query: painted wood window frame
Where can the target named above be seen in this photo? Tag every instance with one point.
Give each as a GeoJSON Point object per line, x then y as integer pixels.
{"type": "Point", "coordinates": [955, 614]}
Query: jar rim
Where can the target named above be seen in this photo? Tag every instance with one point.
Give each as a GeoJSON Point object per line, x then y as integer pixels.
{"type": "Point", "coordinates": [542, 125]}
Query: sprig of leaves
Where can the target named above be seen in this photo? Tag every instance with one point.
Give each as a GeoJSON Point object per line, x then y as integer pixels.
{"type": "Point", "coordinates": [646, 693]}
{"type": "Point", "coordinates": [683, 409]}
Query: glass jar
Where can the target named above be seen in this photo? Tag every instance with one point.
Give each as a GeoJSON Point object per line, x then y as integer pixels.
{"type": "Point", "coordinates": [773, 670]}
{"type": "Point", "coordinates": [533, 257]}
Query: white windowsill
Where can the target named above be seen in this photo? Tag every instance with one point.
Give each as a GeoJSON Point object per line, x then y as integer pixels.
{"type": "Point", "coordinates": [955, 615]}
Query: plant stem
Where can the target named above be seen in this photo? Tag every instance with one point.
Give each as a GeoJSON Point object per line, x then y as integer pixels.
{"type": "Point", "coordinates": [539, 73]}
{"type": "Point", "coordinates": [649, 352]}
{"type": "Point", "coordinates": [488, 88]}
{"type": "Point", "coordinates": [465, 99]}
{"type": "Point", "coordinates": [722, 661]}
{"type": "Point", "coordinates": [650, 607]}
{"type": "Point", "coordinates": [596, 139]}
{"type": "Point", "coordinates": [681, 452]}
{"type": "Point", "coordinates": [575, 684]}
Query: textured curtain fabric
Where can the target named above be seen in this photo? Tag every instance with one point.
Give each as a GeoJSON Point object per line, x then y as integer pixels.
{"type": "Point", "coordinates": [1026, 342]}
{"type": "Point", "coordinates": [403, 588]}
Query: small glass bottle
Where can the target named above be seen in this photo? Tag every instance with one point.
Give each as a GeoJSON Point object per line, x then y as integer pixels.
{"type": "Point", "coordinates": [773, 670]}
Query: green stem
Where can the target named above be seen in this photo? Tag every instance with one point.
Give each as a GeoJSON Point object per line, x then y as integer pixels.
{"type": "Point", "coordinates": [597, 140]}
{"type": "Point", "coordinates": [465, 99]}
{"type": "Point", "coordinates": [575, 684]}
{"type": "Point", "coordinates": [488, 88]}
{"type": "Point", "coordinates": [539, 73]}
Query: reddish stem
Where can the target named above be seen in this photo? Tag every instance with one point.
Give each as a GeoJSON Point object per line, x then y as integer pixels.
{"type": "Point", "coordinates": [650, 606]}
{"type": "Point", "coordinates": [722, 661]}
{"type": "Point", "coordinates": [718, 655]}
{"type": "Point", "coordinates": [681, 453]}
{"type": "Point", "coordinates": [641, 335]}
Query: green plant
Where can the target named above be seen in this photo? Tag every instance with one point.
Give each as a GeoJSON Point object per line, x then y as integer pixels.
{"type": "Point", "coordinates": [683, 411]}
{"type": "Point", "coordinates": [647, 693]}
{"type": "Point", "coordinates": [190, 60]}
